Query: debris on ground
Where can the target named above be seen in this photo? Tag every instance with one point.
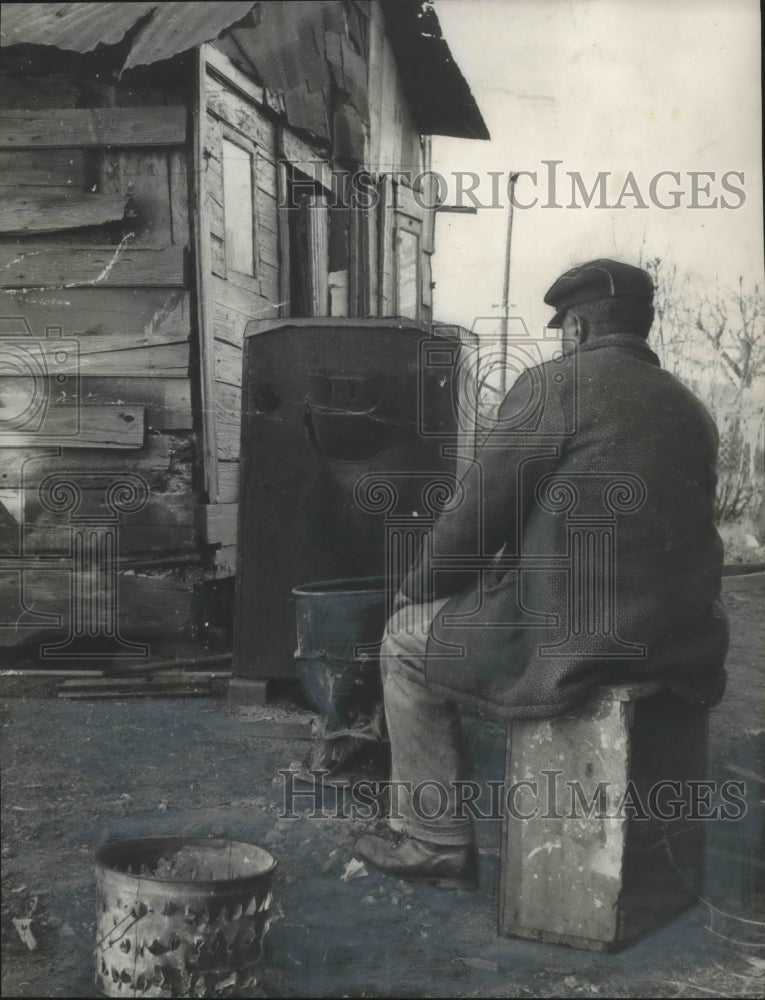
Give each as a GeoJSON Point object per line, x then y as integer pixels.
{"type": "Point", "coordinates": [480, 963]}
{"type": "Point", "coordinates": [353, 869]}
{"type": "Point", "coordinates": [23, 926]}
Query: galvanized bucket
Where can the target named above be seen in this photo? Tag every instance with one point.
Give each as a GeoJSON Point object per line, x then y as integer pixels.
{"type": "Point", "coordinates": [335, 617]}
{"type": "Point", "coordinates": [180, 916]}
{"type": "Point", "coordinates": [339, 628]}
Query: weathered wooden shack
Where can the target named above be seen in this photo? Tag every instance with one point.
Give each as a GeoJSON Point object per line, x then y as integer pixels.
{"type": "Point", "coordinates": [168, 172]}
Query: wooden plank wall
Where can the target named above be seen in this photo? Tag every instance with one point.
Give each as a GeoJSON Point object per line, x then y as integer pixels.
{"type": "Point", "coordinates": [395, 147]}
{"type": "Point", "coordinates": [234, 108]}
{"type": "Point", "coordinates": [94, 245]}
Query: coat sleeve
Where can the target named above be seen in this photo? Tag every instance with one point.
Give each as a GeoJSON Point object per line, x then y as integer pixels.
{"type": "Point", "coordinates": [486, 511]}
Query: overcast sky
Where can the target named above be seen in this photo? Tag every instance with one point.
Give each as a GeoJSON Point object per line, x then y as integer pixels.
{"type": "Point", "coordinates": [602, 86]}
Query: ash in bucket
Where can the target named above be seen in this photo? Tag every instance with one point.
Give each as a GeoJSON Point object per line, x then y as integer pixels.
{"type": "Point", "coordinates": [180, 916]}
{"type": "Point", "coordinates": [202, 864]}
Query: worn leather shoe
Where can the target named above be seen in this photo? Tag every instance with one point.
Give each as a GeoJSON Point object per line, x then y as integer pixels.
{"type": "Point", "coordinates": [419, 861]}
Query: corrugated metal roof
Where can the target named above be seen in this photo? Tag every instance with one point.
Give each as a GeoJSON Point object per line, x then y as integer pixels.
{"type": "Point", "coordinates": [79, 27]}
{"type": "Point", "coordinates": [438, 93]}
{"type": "Point", "coordinates": [177, 27]}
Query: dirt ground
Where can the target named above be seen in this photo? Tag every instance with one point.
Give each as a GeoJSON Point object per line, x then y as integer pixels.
{"type": "Point", "coordinates": [78, 772]}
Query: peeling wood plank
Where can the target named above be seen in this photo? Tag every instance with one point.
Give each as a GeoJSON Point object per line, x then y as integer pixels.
{"type": "Point", "coordinates": [44, 266]}
{"type": "Point", "coordinates": [218, 522]}
{"type": "Point", "coordinates": [146, 126]}
{"type": "Point", "coordinates": [228, 482]}
{"type": "Point", "coordinates": [84, 427]}
{"type": "Point", "coordinates": [49, 212]}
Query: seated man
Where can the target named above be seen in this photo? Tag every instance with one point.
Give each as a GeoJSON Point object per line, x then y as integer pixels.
{"type": "Point", "coordinates": [600, 438]}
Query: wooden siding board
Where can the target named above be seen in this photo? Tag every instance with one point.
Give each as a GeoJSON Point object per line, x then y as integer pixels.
{"type": "Point", "coordinates": [305, 158]}
{"type": "Point", "coordinates": [155, 462]}
{"type": "Point", "coordinates": [220, 63]}
{"type": "Point", "coordinates": [167, 400]}
{"type": "Point", "coordinates": [240, 115]}
{"type": "Point", "coordinates": [84, 427]}
{"type": "Point", "coordinates": [149, 606]}
{"type": "Point", "coordinates": [386, 253]}
{"type": "Point", "coordinates": [51, 211]}
{"type": "Point", "coordinates": [228, 363]}
{"type": "Point", "coordinates": [283, 272]}
{"type": "Point", "coordinates": [242, 305]}
{"type": "Point", "coordinates": [21, 169]}
{"type": "Point", "coordinates": [177, 164]}
{"type": "Point", "coordinates": [42, 265]}
{"type": "Point", "coordinates": [166, 522]}
{"type": "Point", "coordinates": [228, 416]}
{"type": "Point", "coordinates": [204, 277]}
{"type": "Point", "coordinates": [269, 290]}
{"type": "Point", "coordinates": [228, 485]}
{"type": "Point", "coordinates": [218, 523]}
{"type": "Point", "coordinates": [125, 312]}
{"type": "Point", "coordinates": [78, 127]}
{"type": "Point", "coordinates": [224, 561]}
{"type": "Point", "coordinates": [266, 173]}
{"type": "Point", "coordinates": [145, 175]}
{"type": "Point", "coordinates": [217, 256]}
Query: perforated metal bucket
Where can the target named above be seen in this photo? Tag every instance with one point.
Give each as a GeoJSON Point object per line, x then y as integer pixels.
{"type": "Point", "coordinates": [180, 916]}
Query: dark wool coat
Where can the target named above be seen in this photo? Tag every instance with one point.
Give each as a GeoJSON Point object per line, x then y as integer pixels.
{"type": "Point", "coordinates": [597, 483]}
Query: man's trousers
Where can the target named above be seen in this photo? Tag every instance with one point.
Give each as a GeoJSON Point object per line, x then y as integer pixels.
{"type": "Point", "coordinates": [429, 752]}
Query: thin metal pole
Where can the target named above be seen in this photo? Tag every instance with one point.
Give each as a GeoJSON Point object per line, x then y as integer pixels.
{"type": "Point", "coordinates": [506, 285]}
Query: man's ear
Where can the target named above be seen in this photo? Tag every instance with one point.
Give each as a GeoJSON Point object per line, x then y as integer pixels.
{"type": "Point", "coordinates": [581, 327]}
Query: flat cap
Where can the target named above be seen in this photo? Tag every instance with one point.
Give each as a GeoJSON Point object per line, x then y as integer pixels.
{"type": "Point", "coordinates": [597, 279]}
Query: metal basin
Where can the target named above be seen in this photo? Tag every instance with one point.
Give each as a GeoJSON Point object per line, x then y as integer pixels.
{"type": "Point", "coordinates": [180, 916]}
